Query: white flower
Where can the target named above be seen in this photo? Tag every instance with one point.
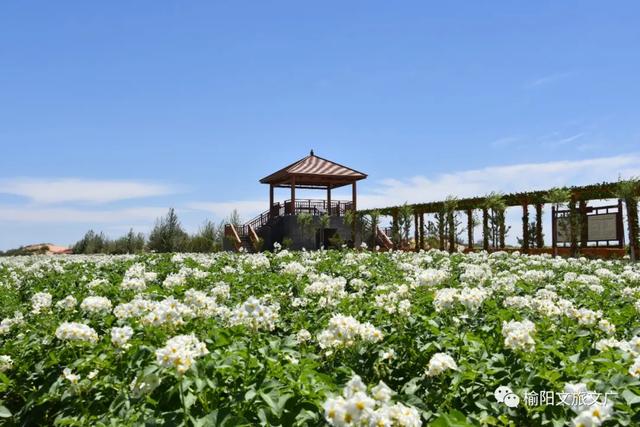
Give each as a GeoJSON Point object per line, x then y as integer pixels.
{"type": "Point", "coordinates": [357, 408]}
{"type": "Point", "coordinates": [517, 335]}
{"type": "Point", "coordinates": [173, 280]}
{"type": "Point", "coordinates": [68, 303]}
{"type": "Point", "coordinates": [120, 336]}
{"type": "Point", "coordinates": [388, 355]}
{"type": "Point", "coordinates": [606, 326]}
{"type": "Point", "coordinates": [5, 363]}
{"type": "Point", "coordinates": [255, 315]}
{"type": "Point", "coordinates": [72, 331]}
{"type": "Point", "coordinates": [95, 304]}
{"type": "Point", "coordinates": [70, 376]}
{"type": "Point", "coordinates": [344, 331]}
{"type": "Point", "coordinates": [445, 298]}
{"type": "Point", "coordinates": [382, 392]}
{"type": "Point", "coordinates": [7, 324]}
{"type": "Point", "coordinates": [634, 370]}
{"type": "Point", "coordinates": [439, 363]}
{"type": "Point", "coordinates": [91, 375]}
{"type": "Point", "coordinates": [169, 311]}
{"type": "Point", "coordinates": [303, 336]}
{"type": "Point", "coordinates": [432, 277]}
{"type": "Point", "coordinates": [40, 301]}
{"type": "Point", "coordinates": [180, 353]}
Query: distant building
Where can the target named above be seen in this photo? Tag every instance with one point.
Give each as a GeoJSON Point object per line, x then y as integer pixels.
{"type": "Point", "coordinates": [46, 249]}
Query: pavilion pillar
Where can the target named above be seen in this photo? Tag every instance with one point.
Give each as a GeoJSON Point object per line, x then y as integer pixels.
{"type": "Point", "coordinates": [270, 200]}
{"type": "Point", "coordinates": [329, 201]}
{"type": "Point", "coordinates": [353, 196]}
{"type": "Point", "coordinates": [485, 229]}
{"type": "Point", "coordinates": [470, 229]}
{"type": "Point", "coordinates": [416, 234]}
{"type": "Point", "coordinates": [539, 237]}
{"type": "Point", "coordinates": [293, 195]}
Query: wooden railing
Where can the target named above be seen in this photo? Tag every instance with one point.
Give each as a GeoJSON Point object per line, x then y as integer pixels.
{"type": "Point", "coordinates": [310, 206]}
{"type": "Point", "coordinates": [318, 207]}
{"type": "Point", "coordinates": [384, 238]}
{"type": "Point", "coordinates": [253, 236]}
{"type": "Point", "coordinates": [231, 233]}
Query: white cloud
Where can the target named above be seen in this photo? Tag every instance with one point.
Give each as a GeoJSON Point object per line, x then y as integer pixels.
{"type": "Point", "coordinates": [62, 190]}
{"type": "Point", "coordinates": [21, 214]}
{"type": "Point", "coordinates": [563, 141]}
{"type": "Point", "coordinates": [247, 208]}
{"type": "Point", "coordinates": [519, 177]}
{"type": "Point", "coordinates": [541, 81]}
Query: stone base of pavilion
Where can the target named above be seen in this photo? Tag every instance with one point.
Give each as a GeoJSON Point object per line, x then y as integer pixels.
{"type": "Point", "coordinates": [287, 229]}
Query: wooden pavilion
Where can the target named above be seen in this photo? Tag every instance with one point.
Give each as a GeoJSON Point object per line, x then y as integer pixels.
{"type": "Point", "coordinates": [280, 222]}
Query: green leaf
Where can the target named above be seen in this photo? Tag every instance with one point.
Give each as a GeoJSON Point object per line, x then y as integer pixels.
{"type": "Point", "coordinates": [4, 412]}
{"type": "Point", "coordinates": [630, 397]}
{"type": "Point", "coordinates": [454, 418]}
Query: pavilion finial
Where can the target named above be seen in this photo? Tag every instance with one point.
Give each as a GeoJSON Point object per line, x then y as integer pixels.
{"type": "Point", "coordinates": [311, 154]}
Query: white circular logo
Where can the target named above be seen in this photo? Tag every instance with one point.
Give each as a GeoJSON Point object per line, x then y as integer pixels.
{"type": "Point", "coordinates": [504, 394]}
{"type": "Point", "coordinates": [501, 392]}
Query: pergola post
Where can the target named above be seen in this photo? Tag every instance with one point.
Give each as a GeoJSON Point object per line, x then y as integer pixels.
{"type": "Point", "coordinates": [501, 229]}
{"type": "Point", "coordinates": [485, 229]}
{"type": "Point", "coordinates": [421, 230]}
{"type": "Point", "coordinates": [584, 236]}
{"type": "Point", "coordinates": [394, 227]}
{"type": "Point", "coordinates": [573, 225]}
{"type": "Point", "coordinates": [451, 228]}
{"type": "Point", "coordinates": [470, 229]}
{"type": "Point", "coordinates": [525, 227]}
{"type": "Point", "coordinates": [631, 204]}
{"type": "Point", "coordinates": [539, 238]}
{"type": "Point", "coordinates": [293, 195]}
{"type": "Point", "coordinates": [329, 201]}
{"type": "Point", "coordinates": [554, 231]}
{"type": "Point", "coordinates": [416, 233]}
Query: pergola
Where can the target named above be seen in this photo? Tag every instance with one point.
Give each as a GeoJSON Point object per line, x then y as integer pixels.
{"type": "Point", "coordinates": [312, 172]}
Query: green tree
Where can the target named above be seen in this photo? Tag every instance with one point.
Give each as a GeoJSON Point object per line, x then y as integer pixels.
{"type": "Point", "coordinates": [628, 191]}
{"type": "Point", "coordinates": [168, 235]}
{"type": "Point", "coordinates": [557, 196]}
{"type": "Point", "coordinates": [325, 221]}
{"type": "Point", "coordinates": [374, 217]}
{"type": "Point", "coordinates": [305, 223]}
{"type": "Point", "coordinates": [205, 239]}
{"type": "Point", "coordinates": [405, 217]}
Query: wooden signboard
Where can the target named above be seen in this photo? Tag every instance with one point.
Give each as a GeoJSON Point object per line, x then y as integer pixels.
{"type": "Point", "coordinates": [602, 227]}
{"type": "Point", "coordinates": [603, 224]}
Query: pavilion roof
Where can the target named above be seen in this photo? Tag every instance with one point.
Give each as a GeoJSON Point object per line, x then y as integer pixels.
{"type": "Point", "coordinates": [313, 171]}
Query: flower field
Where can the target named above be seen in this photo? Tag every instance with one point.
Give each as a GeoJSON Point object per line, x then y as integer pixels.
{"type": "Point", "coordinates": [343, 338]}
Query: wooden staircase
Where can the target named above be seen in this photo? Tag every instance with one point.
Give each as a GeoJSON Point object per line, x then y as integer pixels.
{"type": "Point", "coordinates": [245, 237]}
{"type": "Point", "coordinates": [383, 240]}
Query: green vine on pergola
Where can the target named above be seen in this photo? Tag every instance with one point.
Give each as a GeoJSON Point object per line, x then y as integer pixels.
{"type": "Point", "coordinates": [626, 190]}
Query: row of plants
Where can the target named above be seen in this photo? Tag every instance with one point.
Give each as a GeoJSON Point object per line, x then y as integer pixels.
{"type": "Point", "coordinates": [339, 337]}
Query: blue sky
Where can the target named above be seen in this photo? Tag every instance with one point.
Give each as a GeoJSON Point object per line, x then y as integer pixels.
{"type": "Point", "coordinates": [110, 112]}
